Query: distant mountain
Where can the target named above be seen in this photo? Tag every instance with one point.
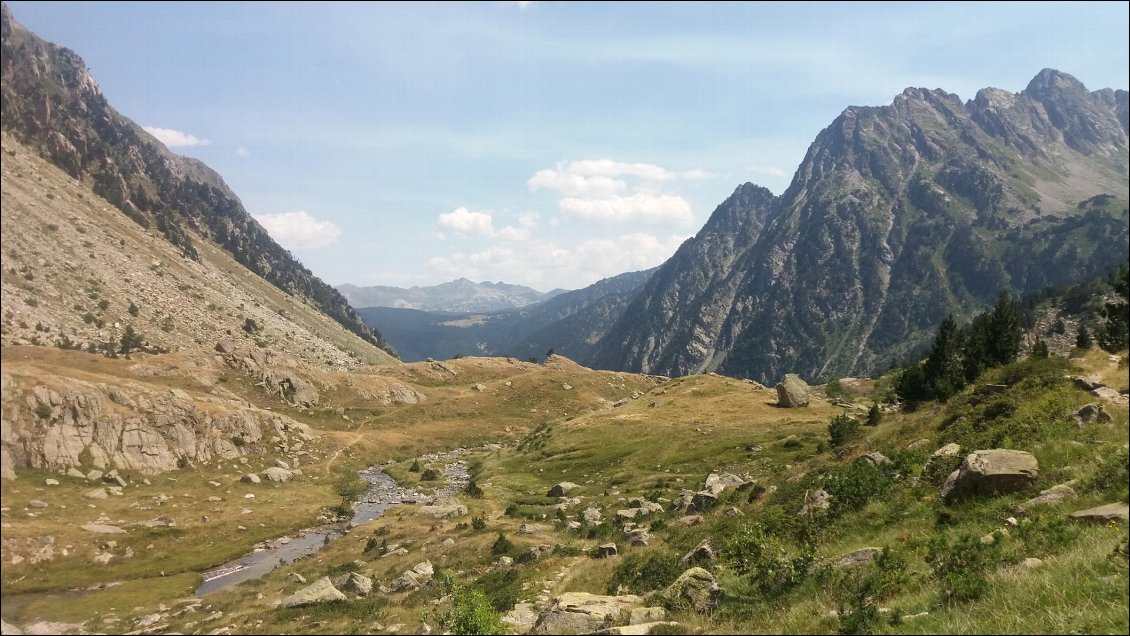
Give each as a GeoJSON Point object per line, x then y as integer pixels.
{"type": "Point", "coordinates": [571, 323]}
{"type": "Point", "coordinates": [51, 106]}
{"type": "Point", "coordinates": [897, 216]}
{"type": "Point", "coordinates": [459, 295]}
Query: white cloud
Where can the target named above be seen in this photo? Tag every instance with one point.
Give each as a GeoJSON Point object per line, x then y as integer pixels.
{"type": "Point", "coordinates": [175, 138]}
{"type": "Point", "coordinates": [599, 190]}
{"type": "Point", "coordinates": [464, 221]}
{"type": "Point", "coordinates": [520, 231]}
{"type": "Point", "coordinates": [769, 171]}
{"type": "Point", "coordinates": [242, 152]}
{"type": "Point", "coordinates": [545, 264]}
{"type": "Point", "coordinates": [298, 230]}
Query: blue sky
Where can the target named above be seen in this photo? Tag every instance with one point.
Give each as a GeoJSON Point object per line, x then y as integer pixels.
{"type": "Point", "coordinates": [548, 144]}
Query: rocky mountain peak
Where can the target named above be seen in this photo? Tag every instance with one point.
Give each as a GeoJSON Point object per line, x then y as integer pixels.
{"type": "Point", "coordinates": [1052, 84]}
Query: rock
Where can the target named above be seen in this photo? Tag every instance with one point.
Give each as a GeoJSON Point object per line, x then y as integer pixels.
{"type": "Point", "coordinates": [1092, 413]}
{"type": "Point", "coordinates": [591, 515]}
{"type": "Point", "coordinates": [1047, 497]}
{"type": "Point", "coordinates": [448, 542]}
{"type": "Point", "coordinates": [643, 628]}
{"type": "Point", "coordinates": [99, 528]}
{"type": "Point", "coordinates": [276, 474]}
{"type": "Point", "coordinates": [413, 578]}
{"type": "Point", "coordinates": [51, 482]}
{"type": "Point", "coordinates": [250, 478]}
{"type": "Point", "coordinates": [94, 475]}
{"type": "Point", "coordinates": [695, 589]}
{"type": "Point", "coordinates": [75, 473]}
{"type": "Point", "coordinates": [605, 551]}
{"type": "Point", "coordinates": [8, 628]}
{"type": "Point", "coordinates": [718, 482]}
{"type": "Point", "coordinates": [443, 509]}
{"type": "Point", "coordinates": [629, 513]}
{"type": "Point", "coordinates": [1109, 513]}
{"type": "Point", "coordinates": [504, 562]}
{"type": "Point", "coordinates": [817, 501]}
{"type": "Point", "coordinates": [320, 591]}
{"type": "Point", "coordinates": [646, 615]}
{"type": "Point", "coordinates": [689, 520]}
{"type": "Point", "coordinates": [295, 577]}
{"type": "Point", "coordinates": [996, 471]}
{"type": "Point", "coordinates": [915, 445]}
{"type": "Point", "coordinates": [792, 392]}
{"type": "Point", "coordinates": [573, 525]}
{"type": "Point", "coordinates": [1031, 563]}
{"type": "Point", "coordinates": [583, 613]}
{"type": "Point", "coordinates": [357, 584]}
{"type": "Point", "coordinates": [621, 402]}
{"type": "Point", "coordinates": [281, 464]}
{"type": "Point", "coordinates": [702, 502]}
{"type": "Point", "coordinates": [478, 387]}
{"type": "Point", "coordinates": [36, 503]}
{"type": "Point", "coordinates": [702, 552]}
{"type": "Point", "coordinates": [225, 345]}
{"type": "Point", "coordinates": [526, 528]}
{"type": "Point", "coordinates": [522, 618]}
{"type": "Point", "coordinates": [876, 459]}
{"type": "Point", "coordinates": [566, 386]}
{"type": "Point", "coordinates": [637, 536]}
{"type": "Point", "coordinates": [861, 556]}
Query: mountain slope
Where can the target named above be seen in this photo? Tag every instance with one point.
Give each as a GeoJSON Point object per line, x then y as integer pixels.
{"type": "Point", "coordinates": [459, 295]}
{"type": "Point", "coordinates": [51, 104]}
{"type": "Point", "coordinates": [897, 216]}
{"type": "Point", "coordinates": [571, 323]}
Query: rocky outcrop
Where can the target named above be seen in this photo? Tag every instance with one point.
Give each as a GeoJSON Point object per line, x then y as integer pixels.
{"type": "Point", "coordinates": [583, 613]}
{"type": "Point", "coordinates": [1092, 413]}
{"type": "Point", "coordinates": [695, 589]}
{"type": "Point", "coordinates": [266, 369]}
{"type": "Point", "coordinates": [792, 392]}
{"type": "Point", "coordinates": [129, 427]}
{"type": "Point", "coordinates": [320, 591]}
{"type": "Point", "coordinates": [1053, 495]}
{"type": "Point", "coordinates": [560, 490]}
{"type": "Point", "coordinates": [413, 578]}
{"type": "Point", "coordinates": [991, 472]}
{"type": "Point", "coordinates": [1110, 513]}
{"type": "Point", "coordinates": [443, 509]}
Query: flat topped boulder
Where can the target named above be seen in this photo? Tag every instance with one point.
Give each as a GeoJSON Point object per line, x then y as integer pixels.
{"type": "Point", "coordinates": [792, 392]}
{"type": "Point", "coordinates": [320, 591]}
{"type": "Point", "coordinates": [443, 508]}
{"type": "Point", "coordinates": [1110, 513]}
{"type": "Point", "coordinates": [560, 489]}
{"type": "Point", "coordinates": [584, 613]}
{"type": "Point", "coordinates": [991, 472]}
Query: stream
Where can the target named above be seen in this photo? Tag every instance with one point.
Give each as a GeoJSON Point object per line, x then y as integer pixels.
{"type": "Point", "coordinates": [382, 494]}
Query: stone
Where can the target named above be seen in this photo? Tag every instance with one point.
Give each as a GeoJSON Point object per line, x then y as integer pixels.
{"type": "Point", "coordinates": [295, 577]}
{"type": "Point", "coordinates": [357, 584]}
{"type": "Point", "coordinates": [1031, 563]}
{"type": "Point", "coordinates": [75, 473]}
{"type": "Point", "coordinates": [94, 475]}
{"type": "Point", "coordinates": [97, 493]}
{"type": "Point", "coordinates": [583, 613]}
{"type": "Point", "coordinates": [522, 618]}
{"type": "Point", "coordinates": [718, 482]}
{"type": "Point", "coordinates": [862, 556]}
{"type": "Point", "coordinates": [99, 528]}
{"type": "Point", "coordinates": [643, 628]}
{"type": "Point", "coordinates": [504, 562]}
{"type": "Point", "coordinates": [642, 615]}
{"type": "Point", "coordinates": [702, 552]}
{"type": "Point", "coordinates": [1109, 513]}
{"type": "Point", "coordinates": [281, 464]}
{"type": "Point", "coordinates": [478, 387]}
{"type": "Point", "coordinates": [915, 445]}
{"type": "Point", "coordinates": [815, 501]}
{"type": "Point", "coordinates": [566, 386]}
{"type": "Point", "coordinates": [876, 459]}
{"type": "Point", "coordinates": [1048, 497]}
{"type": "Point", "coordinates": [276, 474]}
{"type": "Point", "coordinates": [689, 520]}
{"type": "Point", "coordinates": [320, 591]}
{"type": "Point", "coordinates": [695, 589]}
{"type": "Point", "coordinates": [991, 472]}
{"type": "Point", "coordinates": [605, 551]}
{"type": "Point", "coordinates": [560, 489]}
{"type": "Point", "coordinates": [412, 578]}
{"type": "Point", "coordinates": [443, 509]}
{"type": "Point", "coordinates": [225, 345]}
{"type": "Point", "coordinates": [36, 503]}
{"type": "Point", "coordinates": [526, 528]}
{"type": "Point", "coordinates": [51, 482]}
{"type": "Point", "coordinates": [702, 502]}
{"type": "Point", "coordinates": [637, 536]}
{"type": "Point", "coordinates": [250, 478]}
{"type": "Point", "coordinates": [792, 392]}
{"type": "Point", "coordinates": [7, 628]}
{"type": "Point", "coordinates": [1092, 413]}
{"type": "Point", "coordinates": [591, 515]}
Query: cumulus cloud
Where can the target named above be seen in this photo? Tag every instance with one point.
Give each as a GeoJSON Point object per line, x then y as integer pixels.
{"type": "Point", "coordinates": [465, 222]}
{"type": "Point", "coordinates": [607, 190]}
{"type": "Point", "coordinates": [546, 264]}
{"type": "Point", "coordinates": [298, 230]}
{"type": "Point", "coordinates": [242, 152]}
{"type": "Point", "coordinates": [175, 138]}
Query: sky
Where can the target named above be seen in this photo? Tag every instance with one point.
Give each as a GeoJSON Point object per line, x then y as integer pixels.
{"type": "Point", "coordinates": [539, 143]}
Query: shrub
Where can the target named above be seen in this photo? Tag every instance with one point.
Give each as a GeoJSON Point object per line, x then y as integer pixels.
{"type": "Point", "coordinates": [641, 572]}
{"type": "Point", "coordinates": [471, 612]}
{"type": "Point", "coordinates": [415, 467]}
{"type": "Point", "coordinates": [501, 546]}
{"type": "Point", "coordinates": [133, 310]}
{"type": "Point", "coordinates": [842, 429]}
{"type": "Point", "coordinates": [103, 304]}
{"type": "Point", "coordinates": [502, 588]}
{"type": "Point", "coordinates": [861, 589]}
{"type": "Point", "coordinates": [43, 411]}
{"type": "Point", "coordinates": [429, 474]}
{"type": "Point", "coordinates": [1083, 339]}
{"type": "Point", "coordinates": [874, 415]}
{"type": "Point", "coordinates": [772, 570]}
{"type": "Point", "coordinates": [854, 485]}
{"type": "Point", "coordinates": [960, 565]}
{"type": "Point", "coordinates": [478, 523]}
{"type": "Point", "coordinates": [131, 340]}
{"type": "Point", "coordinates": [473, 490]}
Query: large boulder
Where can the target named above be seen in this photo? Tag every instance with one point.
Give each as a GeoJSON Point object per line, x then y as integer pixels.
{"type": "Point", "coordinates": [443, 509]}
{"type": "Point", "coordinates": [358, 584]}
{"type": "Point", "coordinates": [991, 472]}
{"type": "Point", "coordinates": [412, 579]}
{"type": "Point", "coordinates": [1110, 513]}
{"type": "Point", "coordinates": [792, 392]}
{"type": "Point", "coordinates": [695, 589]}
{"type": "Point", "coordinates": [276, 474]}
{"type": "Point", "coordinates": [718, 482]}
{"type": "Point", "coordinates": [1052, 495]}
{"type": "Point", "coordinates": [320, 591]}
{"type": "Point", "coordinates": [1092, 413]}
{"type": "Point", "coordinates": [814, 502]}
{"type": "Point", "coordinates": [583, 613]}
{"type": "Point", "coordinates": [560, 489]}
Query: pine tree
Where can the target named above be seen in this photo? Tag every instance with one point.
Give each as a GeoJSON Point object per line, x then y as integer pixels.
{"type": "Point", "coordinates": [945, 375]}
{"type": "Point", "coordinates": [1040, 349]}
{"type": "Point", "coordinates": [1083, 340]}
{"type": "Point", "coordinates": [1115, 332]}
{"type": "Point", "coordinates": [1004, 332]}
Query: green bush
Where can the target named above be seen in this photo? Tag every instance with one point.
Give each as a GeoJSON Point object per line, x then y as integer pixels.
{"type": "Point", "coordinates": [771, 568]}
{"type": "Point", "coordinates": [842, 429]}
{"type": "Point", "coordinates": [501, 546]}
{"type": "Point", "coordinates": [43, 411]}
{"type": "Point", "coordinates": [641, 572]}
{"type": "Point", "coordinates": [478, 523]}
{"type": "Point", "coordinates": [861, 589]}
{"type": "Point", "coordinates": [874, 415]}
{"type": "Point", "coordinates": [415, 467]}
{"type": "Point", "coordinates": [429, 474]}
{"type": "Point", "coordinates": [471, 612]}
{"type": "Point", "coordinates": [1112, 473]}
{"type": "Point", "coordinates": [502, 587]}
{"type": "Point", "coordinates": [961, 565]}
{"type": "Point", "coordinates": [473, 490]}
{"type": "Point", "coordinates": [854, 485]}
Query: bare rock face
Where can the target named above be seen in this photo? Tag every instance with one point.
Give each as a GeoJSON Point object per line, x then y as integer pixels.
{"type": "Point", "coordinates": [695, 589]}
{"type": "Point", "coordinates": [792, 392]}
{"type": "Point", "coordinates": [993, 472]}
{"type": "Point", "coordinates": [268, 370]}
{"type": "Point", "coordinates": [1092, 413]}
{"type": "Point", "coordinates": [129, 428]}
{"type": "Point", "coordinates": [583, 613]}
{"type": "Point", "coordinates": [320, 591]}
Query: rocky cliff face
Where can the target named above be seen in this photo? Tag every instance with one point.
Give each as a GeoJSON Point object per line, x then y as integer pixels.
{"type": "Point", "coordinates": [50, 103]}
{"type": "Point", "coordinates": [897, 216]}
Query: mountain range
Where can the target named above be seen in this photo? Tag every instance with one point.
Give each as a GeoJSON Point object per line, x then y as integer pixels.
{"type": "Point", "coordinates": [460, 295]}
